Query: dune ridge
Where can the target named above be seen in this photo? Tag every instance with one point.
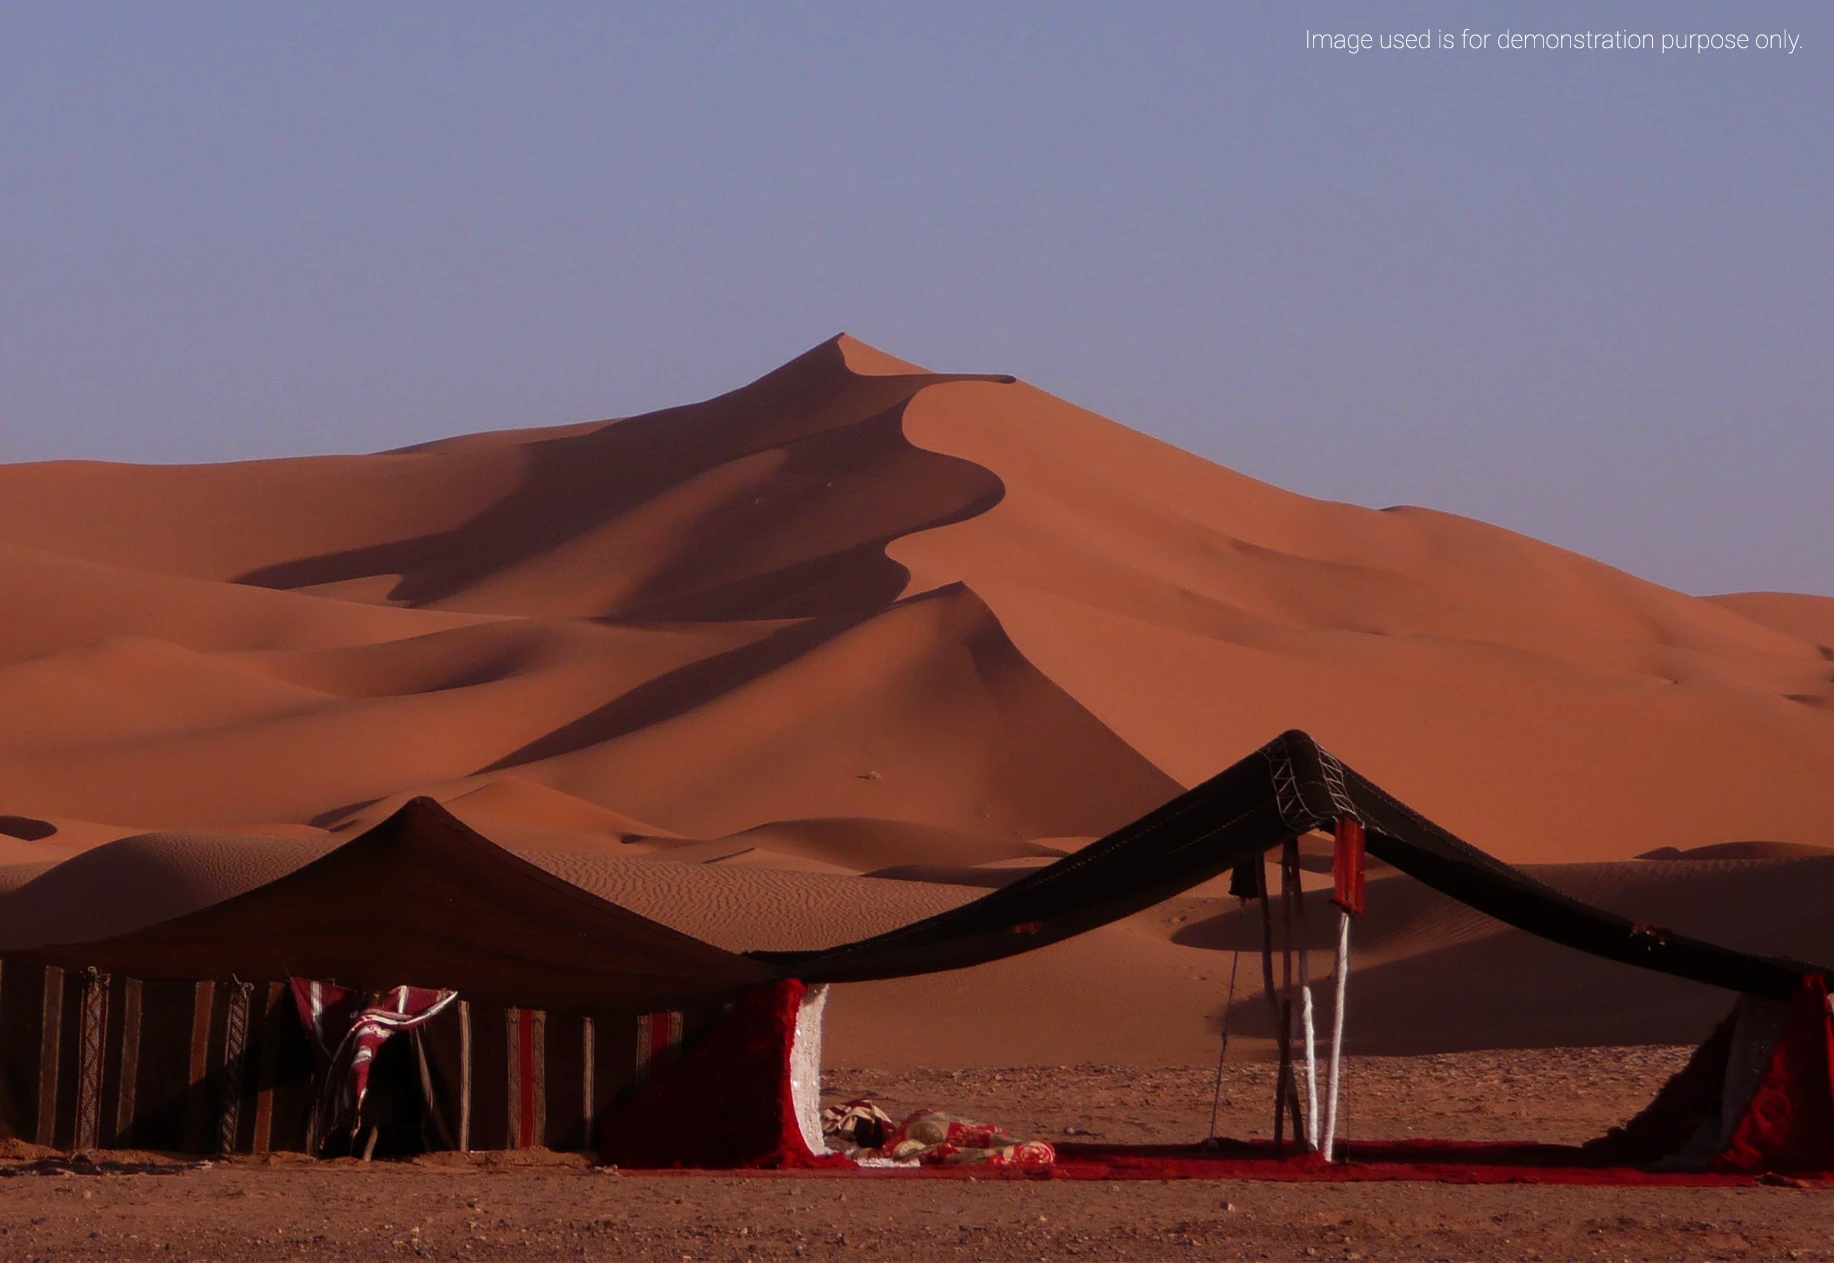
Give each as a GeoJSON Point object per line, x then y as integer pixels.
{"type": "Point", "coordinates": [860, 618]}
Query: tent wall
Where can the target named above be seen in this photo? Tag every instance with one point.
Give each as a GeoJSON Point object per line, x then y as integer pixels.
{"type": "Point", "coordinates": [89, 1060]}
{"type": "Point", "coordinates": [94, 1061]}
{"type": "Point", "coordinates": [747, 1095]}
{"type": "Point", "coordinates": [514, 1078]}
{"type": "Point", "coordinates": [1756, 1096]}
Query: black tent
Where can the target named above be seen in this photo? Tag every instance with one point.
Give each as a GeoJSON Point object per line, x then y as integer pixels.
{"type": "Point", "coordinates": [182, 1035]}
{"type": "Point", "coordinates": [1289, 787]}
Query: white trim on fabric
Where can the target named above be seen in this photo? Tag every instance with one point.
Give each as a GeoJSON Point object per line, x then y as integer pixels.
{"type": "Point", "coordinates": [805, 1068]}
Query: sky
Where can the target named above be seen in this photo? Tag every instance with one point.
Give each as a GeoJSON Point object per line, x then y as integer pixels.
{"type": "Point", "coordinates": [1585, 295]}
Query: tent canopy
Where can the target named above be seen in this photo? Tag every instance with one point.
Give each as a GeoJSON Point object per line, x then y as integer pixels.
{"type": "Point", "coordinates": [568, 1004]}
{"type": "Point", "coordinates": [423, 899]}
{"type": "Point", "coordinates": [1287, 788]}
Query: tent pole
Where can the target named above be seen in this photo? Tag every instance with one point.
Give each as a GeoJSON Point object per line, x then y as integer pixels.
{"type": "Point", "coordinates": [1337, 1033]}
{"type": "Point", "coordinates": [1273, 998]}
{"type": "Point", "coordinates": [1311, 1069]}
{"type": "Point", "coordinates": [1289, 903]}
{"type": "Point", "coordinates": [1305, 1001]}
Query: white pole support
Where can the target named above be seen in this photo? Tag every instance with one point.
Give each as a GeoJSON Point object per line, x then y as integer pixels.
{"type": "Point", "coordinates": [1337, 1033]}
{"type": "Point", "coordinates": [1311, 1070]}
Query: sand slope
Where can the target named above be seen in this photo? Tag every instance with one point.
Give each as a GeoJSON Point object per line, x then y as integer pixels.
{"type": "Point", "coordinates": [1466, 668]}
{"type": "Point", "coordinates": [857, 617]}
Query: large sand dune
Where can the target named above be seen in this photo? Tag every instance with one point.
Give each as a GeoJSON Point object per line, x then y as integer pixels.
{"type": "Point", "coordinates": [720, 661]}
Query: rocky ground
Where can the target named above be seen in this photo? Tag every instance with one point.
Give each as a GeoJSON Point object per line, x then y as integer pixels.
{"type": "Point", "coordinates": [546, 1206]}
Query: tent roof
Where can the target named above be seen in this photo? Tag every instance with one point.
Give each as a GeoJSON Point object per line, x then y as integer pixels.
{"type": "Point", "coordinates": [423, 899]}
{"type": "Point", "coordinates": [1288, 787]}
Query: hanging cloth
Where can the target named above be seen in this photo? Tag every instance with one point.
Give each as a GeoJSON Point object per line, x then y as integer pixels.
{"type": "Point", "coordinates": [347, 1035]}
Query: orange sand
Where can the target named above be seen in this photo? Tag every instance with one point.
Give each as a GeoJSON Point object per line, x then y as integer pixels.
{"type": "Point", "coordinates": [721, 661]}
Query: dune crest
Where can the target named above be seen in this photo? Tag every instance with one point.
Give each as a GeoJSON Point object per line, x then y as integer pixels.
{"type": "Point", "coordinates": [1191, 608]}
{"type": "Point", "coordinates": [856, 617]}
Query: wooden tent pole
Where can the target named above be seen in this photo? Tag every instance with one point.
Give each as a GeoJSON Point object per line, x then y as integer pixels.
{"type": "Point", "coordinates": [1289, 892]}
{"type": "Point", "coordinates": [1273, 998]}
{"type": "Point", "coordinates": [1308, 1025]}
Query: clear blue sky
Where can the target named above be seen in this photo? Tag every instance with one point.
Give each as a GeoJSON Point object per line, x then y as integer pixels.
{"type": "Point", "coordinates": [1583, 295]}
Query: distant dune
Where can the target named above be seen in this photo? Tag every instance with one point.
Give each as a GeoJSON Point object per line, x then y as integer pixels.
{"type": "Point", "coordinates": [721, 661]}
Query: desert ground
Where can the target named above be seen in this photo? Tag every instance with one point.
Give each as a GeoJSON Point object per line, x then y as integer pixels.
{"type": "Point", "coordinates": [545, 1206]}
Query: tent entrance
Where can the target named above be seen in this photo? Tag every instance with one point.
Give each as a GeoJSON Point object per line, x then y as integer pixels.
{"type": "Point", "coordinates": [396, 1119]}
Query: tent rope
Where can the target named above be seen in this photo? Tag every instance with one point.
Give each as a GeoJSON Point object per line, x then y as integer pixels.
{"type": "Point", "coordinates": [1216, 1097]}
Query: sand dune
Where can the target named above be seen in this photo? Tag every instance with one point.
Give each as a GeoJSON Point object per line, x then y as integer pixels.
{"type": "Point", "coordinates": [855, 844]}
{"type": "Point", "coordinates": [1756, 850]}
{"type": "Point", "coordinates": [137, 881]}
{"type": "Point", "coordinates": [1466, 668]}
{"type": "Point", "coordinates": [722, 660]}
{"type": "Point", "coordinates": [1796, 614]}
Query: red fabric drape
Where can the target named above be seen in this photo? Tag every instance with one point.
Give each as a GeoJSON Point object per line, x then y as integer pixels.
{"type": "Point", "coordinates": [1347, 864]}
{"type": "Point", "coordinates": [1789, 1125]}
{"type": "Point", "coordinates": [727, 1103]}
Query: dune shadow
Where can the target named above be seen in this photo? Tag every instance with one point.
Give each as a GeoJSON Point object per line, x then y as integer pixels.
{"type": "Point", "coordinates": [27, 828]}
{"type": "Point", "coordinates": [684, 689]}
{"type": "Point", "coordinates": [574, 484]}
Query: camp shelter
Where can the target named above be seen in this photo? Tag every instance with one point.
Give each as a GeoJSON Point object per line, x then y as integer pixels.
{"type": "Point", "coordinates": [574, 1021]}
{"type": "Point", "coordinates": [184, 1035]}
{"type": "Point", "coordinates": [1758, 1095]}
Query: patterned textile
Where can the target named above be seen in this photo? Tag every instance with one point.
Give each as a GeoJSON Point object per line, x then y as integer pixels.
{"type": "Point", "coordinates": [928, 1138]}
{"type": "Point", "coordinates": [348, 1037]}
{"type": "Point", "coordinates": [859, 1124]}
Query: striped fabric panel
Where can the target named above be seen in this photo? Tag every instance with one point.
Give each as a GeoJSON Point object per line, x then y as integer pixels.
{"type": "Point", "coordinates": [235, 1054]}
{"type": "Point", "coordinates": [588, 1092]}
{"type": "Point", "coordinates": [92, 1034]}
{"type": "Point", "coordinates": [203, 999]}
{"type": "Point", "coordinates": [130, 1062]}
{"type": "Point", "coordinates": [658, 1043]}
{"type": "Point", "coordinates": [535, 1078]}
{"type": "Point", "coordinates": [269, 1069]}
{"type": "Point", "coordinates": [512, 1027]}
{"type": "Point", "coordinates": [429, 1098]}
{"type": "Point", "coordinates": [528, 1074]}
{"type": "Point", "coordinates": [464, 1136]}
{"type": "Point", "coordinates": [50, 1050]}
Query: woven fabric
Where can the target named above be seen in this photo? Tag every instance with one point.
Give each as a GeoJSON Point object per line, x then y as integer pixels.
{"type": "Point", "coordinates": [349, 1036]}
{"type": "Point", "coordinates": [728, 1102]}
{"type": "Point", "coordinates": [1289, 787]}
{"type": "Point", "coordinates": [1788, 1125]}
{"type": "Point", "coordinates": [1349, 884]}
